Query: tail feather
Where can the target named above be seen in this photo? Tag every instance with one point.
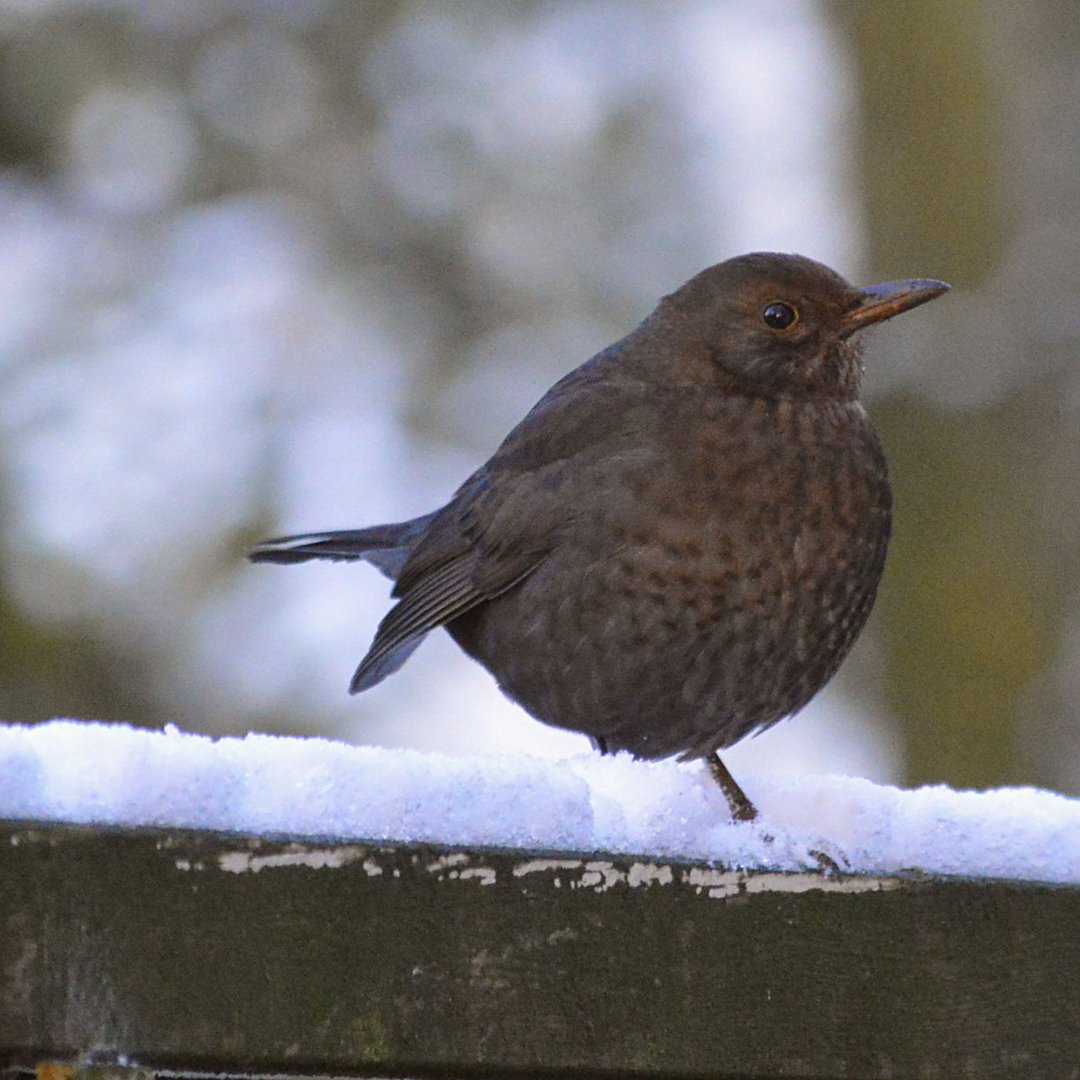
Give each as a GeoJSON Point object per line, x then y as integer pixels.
{"type": "Point", "coordinates": [386, 547]}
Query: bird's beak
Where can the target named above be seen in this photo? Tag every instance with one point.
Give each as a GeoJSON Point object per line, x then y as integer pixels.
{"type": "Point", "coordinates": [876, 303]}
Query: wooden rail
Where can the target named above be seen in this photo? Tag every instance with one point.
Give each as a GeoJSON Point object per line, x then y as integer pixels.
{"type": "Point", "coordinates": [171, 951]}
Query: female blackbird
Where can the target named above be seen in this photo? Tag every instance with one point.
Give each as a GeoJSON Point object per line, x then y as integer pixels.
{"type": "Point", "coordinates": [680, 542]}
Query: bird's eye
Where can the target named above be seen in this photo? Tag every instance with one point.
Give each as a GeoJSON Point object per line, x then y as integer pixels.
{"type": "Point", "coordinates": [780, 316]}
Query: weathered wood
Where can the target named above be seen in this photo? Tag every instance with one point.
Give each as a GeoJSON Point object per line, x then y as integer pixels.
{"type": "Point", "coordinates": [188, 951]}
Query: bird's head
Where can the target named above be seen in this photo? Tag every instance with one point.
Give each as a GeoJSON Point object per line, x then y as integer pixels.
{"type": "Point", "coordinates": [775, 325]}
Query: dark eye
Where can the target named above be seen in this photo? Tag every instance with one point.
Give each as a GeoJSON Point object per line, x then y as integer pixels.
{"type": "Point", "coordinates": [779, 316]}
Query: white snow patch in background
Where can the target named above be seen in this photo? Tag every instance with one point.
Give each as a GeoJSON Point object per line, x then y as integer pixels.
{"type": "Point", "coordinates": [112, 774]}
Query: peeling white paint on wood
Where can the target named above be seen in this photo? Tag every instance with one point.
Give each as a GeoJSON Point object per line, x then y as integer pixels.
{"type": "Point", "coordinates": [720, 884]}
{"type": "Point", "coordinates": [595, 875]}
{"type": "Point", "coordinates": [314, 858]}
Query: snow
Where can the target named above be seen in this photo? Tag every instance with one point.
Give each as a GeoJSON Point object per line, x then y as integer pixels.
{"type": "Point", "coordinates": [113, 774]}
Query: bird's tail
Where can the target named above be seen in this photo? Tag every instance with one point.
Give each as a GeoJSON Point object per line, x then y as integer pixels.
{"type": "Point", "coordinates": [384, 546]}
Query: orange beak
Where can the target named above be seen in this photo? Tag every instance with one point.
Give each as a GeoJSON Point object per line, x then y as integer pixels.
{"type": "Point", "coordinates": [876, 303]}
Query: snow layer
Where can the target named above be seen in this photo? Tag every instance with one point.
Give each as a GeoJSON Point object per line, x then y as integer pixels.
{"type": "Point", "coordinates": [113, 774]}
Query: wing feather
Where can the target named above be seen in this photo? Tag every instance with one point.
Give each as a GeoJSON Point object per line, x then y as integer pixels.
{"type": "Point", "coordinates": [439, 598]}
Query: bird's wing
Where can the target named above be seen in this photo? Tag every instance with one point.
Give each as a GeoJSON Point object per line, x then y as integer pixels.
{"type": "Point", "coordinates": [456, 565]}
{"type": "Point", "coordinates": [475, 548]}
{"type": "Point", "coordinates": [434, 599]}
{"type": "Point", "coordinates": [502, 521]}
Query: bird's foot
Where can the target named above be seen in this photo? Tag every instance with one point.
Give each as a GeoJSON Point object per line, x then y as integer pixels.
{"type": "Point", "coordinates": [829, 859]}
{"type": "Point", "coordinates": [826, 858]}
{"type": "Point", "coordinates": [830, 864]}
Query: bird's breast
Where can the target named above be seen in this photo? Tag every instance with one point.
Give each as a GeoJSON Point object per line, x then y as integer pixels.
{"type": "Point", "coordinates": [759, 543]}
{"type": "Point", "coordinates": [703, 589]}
{"type": "Point", "coordinates": [789, 480]}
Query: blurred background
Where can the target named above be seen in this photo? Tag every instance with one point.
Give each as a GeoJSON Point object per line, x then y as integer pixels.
{"type": "Point", "coordinates": [279, 265]}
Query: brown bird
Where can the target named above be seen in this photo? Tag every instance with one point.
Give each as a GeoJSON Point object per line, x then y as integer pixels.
{"type": "Point", "coordinates": [679, 544]}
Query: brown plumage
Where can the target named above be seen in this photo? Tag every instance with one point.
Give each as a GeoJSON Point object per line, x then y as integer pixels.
{"type": "Point", "coordinates": [680, 542]}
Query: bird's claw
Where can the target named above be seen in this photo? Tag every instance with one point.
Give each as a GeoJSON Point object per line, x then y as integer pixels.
{"type": "Point", "coordinates": [829, 867]}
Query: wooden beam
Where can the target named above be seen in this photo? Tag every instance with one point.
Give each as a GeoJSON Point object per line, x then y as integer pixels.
{"type": "Point", "coordinates": [196, 952]}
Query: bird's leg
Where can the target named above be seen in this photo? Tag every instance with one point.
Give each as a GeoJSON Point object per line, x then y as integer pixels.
{"type": "Point", "coordinates": [742, 809]}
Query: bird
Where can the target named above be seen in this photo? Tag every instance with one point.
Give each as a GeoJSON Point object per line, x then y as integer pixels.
{"type": "Point", "coordinates": [679, 544]}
